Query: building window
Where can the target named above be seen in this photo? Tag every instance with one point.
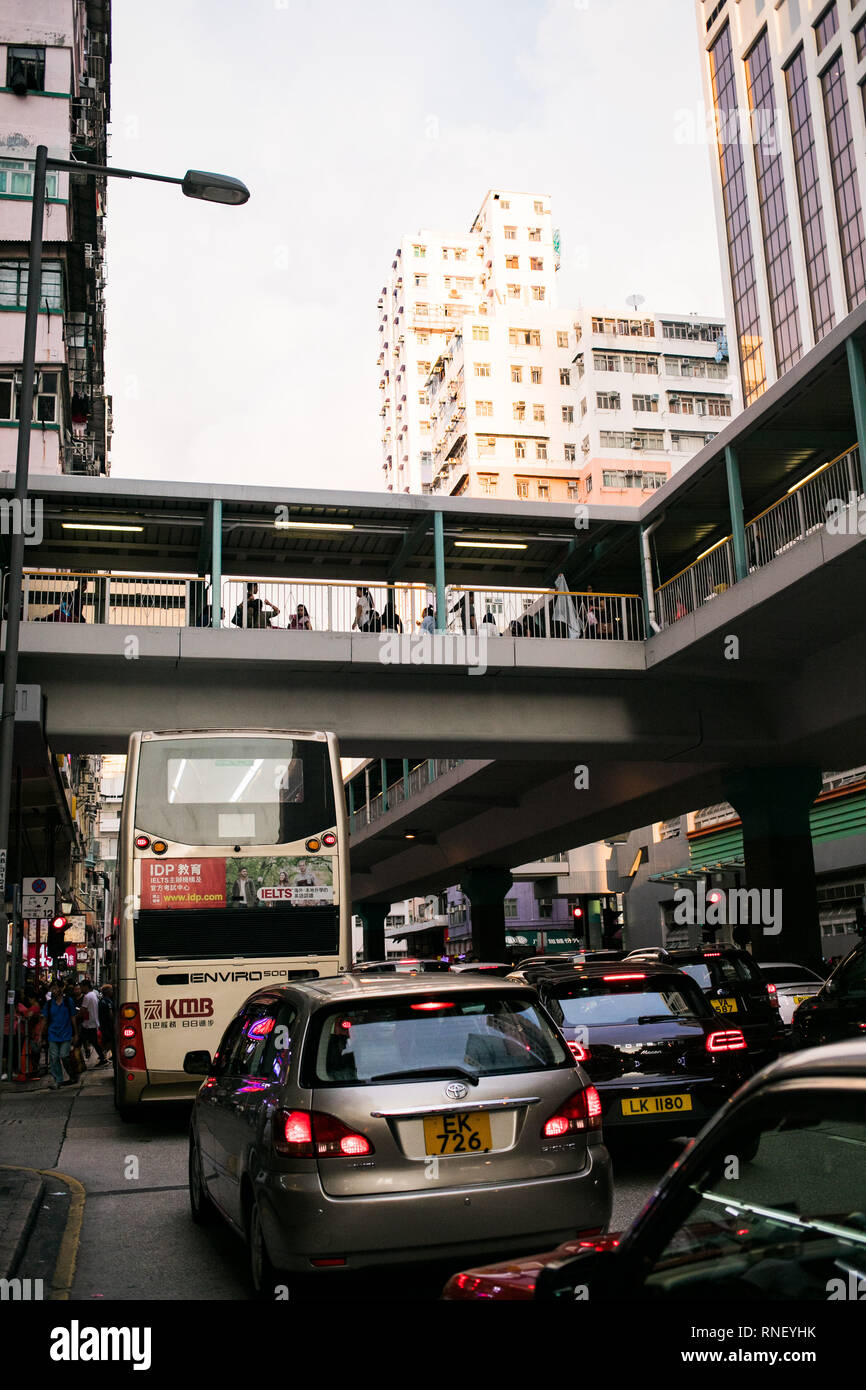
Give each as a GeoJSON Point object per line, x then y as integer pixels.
{"type": "Point", "coordinates": [578, 362]}
{"type": "Point", "coordinates": [422, 338]}
{"type": "Point", "coordinates": [522, 490]}
{"type": "Point", "coordinates": [784, 309]}
{"type": "Point", "coordinates": [16, 179]}
{"type": "Point", "coordinates": [626, 478]}
{"type": "Point", "coordinates": [641, 364]}
{"type": "Point", "coordinates": [513, 291]}
{"type": "Point", "coordinates": [480, 332]}
{"type": "Point", "coordinates": [535, 373]}
{"type": "Point", "coordinates": [424, 426]}
{"type": "Point", "coordinates": [605, 361]}
{"type": "Point", "coordinates": [536, 263]}
{"type": "Point", "coordinates": [645, 403]}
{"type": "Point", "coordinates": [843, 166]}
{"type": "Point", "coordinates": [45, 392]}
{"type": "Point", "coordinates": [420, 252]}
{"type": "Point", "coordinates": [423, 398]}
{"type": "Point", "coordinates": [541, 449]}
{"type": "Point", "coordinates": [568, 414]}
{"type": "Point", "coordinates": [543, 492]}
{"type": "Point", "coordinates": [826, 27]}
{"type": "Point", "coordinates": [538, 207]}
{"type": "Point", "coordinates": [736, 209]}
{"type": "Point", "coordinates": [570, 453]}
{"type": "Point", "coordinates": [486, 445]}
{"type": "Point", "coordinates": [520, 448]}
{"type": "Point", "coordinates": [564, 376]}
{"type": "Point", "coordinates": [538, 413]}
{"type": "Point", "coordinates": [512, 262]}
{"type": "Point", "coordinates": [562, 338]}
{"type": "Point", "coordinates": [487, 484]}
{"type": "Point", "coordinates": [483, 407]}
{"type": "Point", "coordinates": [537, 292]}
{"type": "Point", "coordinates": [482, 368]}
{"type": "Point", "coordinates": [860, 40]}
{"type": "Point", "coordinates": [519, 409]}
{"type": "Point", "coordinates": [14, 276]}
{"type": "Point", "coordinates": [583, 407]}
{"type": "Point", "coordinates": [422, 310]}
{"type": "Point", "coordinates": [573, 491]}
{"type": "Point", "coordinates": [25, 69]}
{"type": "Point", "coordinates": [420, 281]}
{"type": "Point", "coordinates": [504, 204]}
{"type": "Point", "coordinates": [423, 368]}
{"type": "Point", "coordinates": [516, 373]}
{"type": "Point", "coordinates": [524, 337]}
{"type": "Point", "coordinates": [460, 253]}
{"type": "Point", "coordinates": [510, 233]}
{"type": "Point", "coordinates": [607, 400]}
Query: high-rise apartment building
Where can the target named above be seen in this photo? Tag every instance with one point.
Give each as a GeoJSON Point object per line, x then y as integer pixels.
{"type": "Point", "coordinates": [55, 58]}
{"type": "Point", "coordinates": [785, 80]}
{"type": "Point", "coordinates": [506, 259]}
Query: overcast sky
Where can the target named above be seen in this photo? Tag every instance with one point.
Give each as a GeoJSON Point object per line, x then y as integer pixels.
{"type": "Point", "coordinates": [242, 341]}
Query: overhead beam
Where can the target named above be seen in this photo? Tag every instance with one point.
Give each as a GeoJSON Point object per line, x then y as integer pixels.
{"type": "Point", "coordinates": [413, 540]}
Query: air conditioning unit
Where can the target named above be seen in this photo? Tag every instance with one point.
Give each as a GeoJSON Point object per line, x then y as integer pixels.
{"type": "Point", "coordinates": [637, 443]}
{"type": "Point", "coordinates": [90, 82]}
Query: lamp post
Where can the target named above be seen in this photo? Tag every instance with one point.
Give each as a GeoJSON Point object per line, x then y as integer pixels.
{"type": "Point", "coordinates": [196, 183]}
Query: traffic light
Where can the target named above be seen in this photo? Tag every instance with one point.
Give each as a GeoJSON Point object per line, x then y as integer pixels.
{"type": "Point", "coordinates": [57, 937]}
{"type": "Point", "coordinates": [577, 913]}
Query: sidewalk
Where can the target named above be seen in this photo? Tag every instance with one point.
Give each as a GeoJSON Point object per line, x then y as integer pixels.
{"type": "Point", "coordinates": [33, 1121]}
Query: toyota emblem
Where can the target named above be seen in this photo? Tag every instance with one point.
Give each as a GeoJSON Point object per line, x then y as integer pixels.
{"type": "Point", "coordinates": [455, 1090]}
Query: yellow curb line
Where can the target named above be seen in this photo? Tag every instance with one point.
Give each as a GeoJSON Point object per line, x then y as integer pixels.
{"type": "Point", "coordinates": [64, 1268]}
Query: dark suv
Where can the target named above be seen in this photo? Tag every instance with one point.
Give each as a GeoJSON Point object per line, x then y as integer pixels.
{"type": "Point", "coordinates": [645, 1034]}
{"type": "Point", "coordinates": [735, 987]}
{"type": "Point", "coordinates": [838, 1011]}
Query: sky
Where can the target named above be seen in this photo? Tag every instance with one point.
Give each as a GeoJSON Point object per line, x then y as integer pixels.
{"type": "Point", "coordinates": [242, 342]}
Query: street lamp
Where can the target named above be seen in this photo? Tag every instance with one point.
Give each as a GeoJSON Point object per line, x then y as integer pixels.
{"type": "Point", "coordinates": [196, 183]}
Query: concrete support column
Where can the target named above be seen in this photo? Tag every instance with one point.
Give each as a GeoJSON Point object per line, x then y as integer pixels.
{"type": "Point", "coordinates": [857, 377]}
{"type": "Point", "coordinates": [373, 916]}
{"type": "Point", "coordinates": [735, 506]}
{"type": "Point", "coordinates": [216, 562]}
{"type": "Point", "coordinates": [439, 570]}
{"type": "Point", "coordinates": [774, 804]}
{"type": "Point", "coordinates": [486, 889]}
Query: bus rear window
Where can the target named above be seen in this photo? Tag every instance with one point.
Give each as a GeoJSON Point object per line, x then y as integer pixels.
{"type": "Point", "coordinates": [234, 790]}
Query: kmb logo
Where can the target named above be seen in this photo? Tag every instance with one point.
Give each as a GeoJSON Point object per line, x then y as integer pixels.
{"type": "Point", "coordinates": [178, 1008]}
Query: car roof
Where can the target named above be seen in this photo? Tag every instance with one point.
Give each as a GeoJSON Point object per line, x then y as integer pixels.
{"type": "Point", "coordinates": [597, 970]}
{"type": "Point", "coordinates": [783, 965]}
{"type": "Point", "coordinates": [339, 988]}
{"type": "Point", "coordinates": [838, 1059]}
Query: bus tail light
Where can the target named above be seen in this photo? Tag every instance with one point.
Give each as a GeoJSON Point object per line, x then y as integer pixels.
{"type": "Point", "coordinates": [329, 839]}
{"type": "Point", "coordinates": [131, 1040]}
{"type": "Point", "coordinates": [581, 1111]}
{"type": "Point", "coordinates": [314, 1134]}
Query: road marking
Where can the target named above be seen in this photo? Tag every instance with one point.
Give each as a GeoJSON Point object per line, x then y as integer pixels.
{"type": "Point", "coordinates": [64, 1270]}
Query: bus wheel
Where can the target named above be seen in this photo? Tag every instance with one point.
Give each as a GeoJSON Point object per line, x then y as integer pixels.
{"type": "Point", "coordinates": [263, 1276]}
{"type": "Point", "coordinates": [200, 1205]}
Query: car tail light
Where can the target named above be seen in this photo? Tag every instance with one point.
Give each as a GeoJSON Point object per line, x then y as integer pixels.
{"type": "Point", "coordinates": [774, 995]}
{"type": "Point", "coordinates": [581, 1111]}
{"type": "Point", "coordinates": [313, 1134]}
{"type": "Point", "coordinates": [580, 1053]}
{"type": "Point", "coordinates": [726, 1040]}
{"type": "Point", "coordinates": [433, 1004]}
{"type": "Point", "coordinates": [633, 976]}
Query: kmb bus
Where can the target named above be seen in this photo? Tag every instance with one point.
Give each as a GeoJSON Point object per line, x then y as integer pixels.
{"type": "Point", "coordinates": [232, 872]}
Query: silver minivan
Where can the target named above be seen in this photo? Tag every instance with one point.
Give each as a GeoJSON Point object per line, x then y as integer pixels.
{"type": "Point", "coordinates": [355, 1122]}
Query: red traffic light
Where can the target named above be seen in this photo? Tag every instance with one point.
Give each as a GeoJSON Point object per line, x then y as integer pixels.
{"type": "Point", "coordinates": [577, 912]}
{"type": "Point", "coordinates": [59, 923]}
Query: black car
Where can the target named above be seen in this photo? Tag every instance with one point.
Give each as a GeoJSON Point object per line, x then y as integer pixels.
{"type": "Point", "coordinates": [649, 1041]}
{"type": "Point", "coordinates": [838, 1010]}
{"type": "Point", "coordinates": [481, 967]}
{"type": "Point", "coordinates": [736, 988]}
{"type": "Point", "coordinates": [402, 965]}
{"type": "Point", "coordinates": [767, 1204]}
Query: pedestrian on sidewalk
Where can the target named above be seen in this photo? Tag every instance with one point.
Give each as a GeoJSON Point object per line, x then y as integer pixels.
{"type": "Point", "coordinates": [60, 1014]}
{"type": "Point", "coordinates": [106, 1018]}
{"type": "Point", "coordinates": [90, 1023]}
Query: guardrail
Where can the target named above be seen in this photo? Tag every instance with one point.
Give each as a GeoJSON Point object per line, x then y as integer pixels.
{"type": "Point", "coordinates": [803, 510]}
{"type": "Point", "coordinates": [420, 776]}
{"type": "Point", "coordinates": [318, 606]}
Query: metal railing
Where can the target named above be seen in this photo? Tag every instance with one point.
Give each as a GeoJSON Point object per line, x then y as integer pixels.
{"type": "Point", "coordinates": [420, 776]}
{"type": "Point", "coordinates": [772, 533]}
{"type": "Point", "coordinates": [316, 606]}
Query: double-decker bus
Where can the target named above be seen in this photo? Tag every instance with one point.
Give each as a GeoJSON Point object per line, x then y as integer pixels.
{"type": "Point", "coordinates": [232, 873]}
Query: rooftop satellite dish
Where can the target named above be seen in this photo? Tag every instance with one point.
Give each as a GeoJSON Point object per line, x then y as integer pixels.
{"type": "Point", "coordinates": [635, 300]}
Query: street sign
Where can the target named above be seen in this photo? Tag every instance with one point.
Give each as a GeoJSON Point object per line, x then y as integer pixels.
{"type": "Point", "coordinates": [38, 896]}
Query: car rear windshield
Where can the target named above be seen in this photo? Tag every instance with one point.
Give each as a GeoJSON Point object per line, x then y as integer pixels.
{"type": "Point", "coordinates": [429, 1037]}
{"type": "Point", "coordinates": [790, 975]}
{"type": "Point", "coordinates": [602, 1003]}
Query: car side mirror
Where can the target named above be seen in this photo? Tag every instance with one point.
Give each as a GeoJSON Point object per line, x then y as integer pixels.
{"type": "Point", "coordinates": [590, 1276]}
{"type": "Point", "coordinates": [197, 1063]}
